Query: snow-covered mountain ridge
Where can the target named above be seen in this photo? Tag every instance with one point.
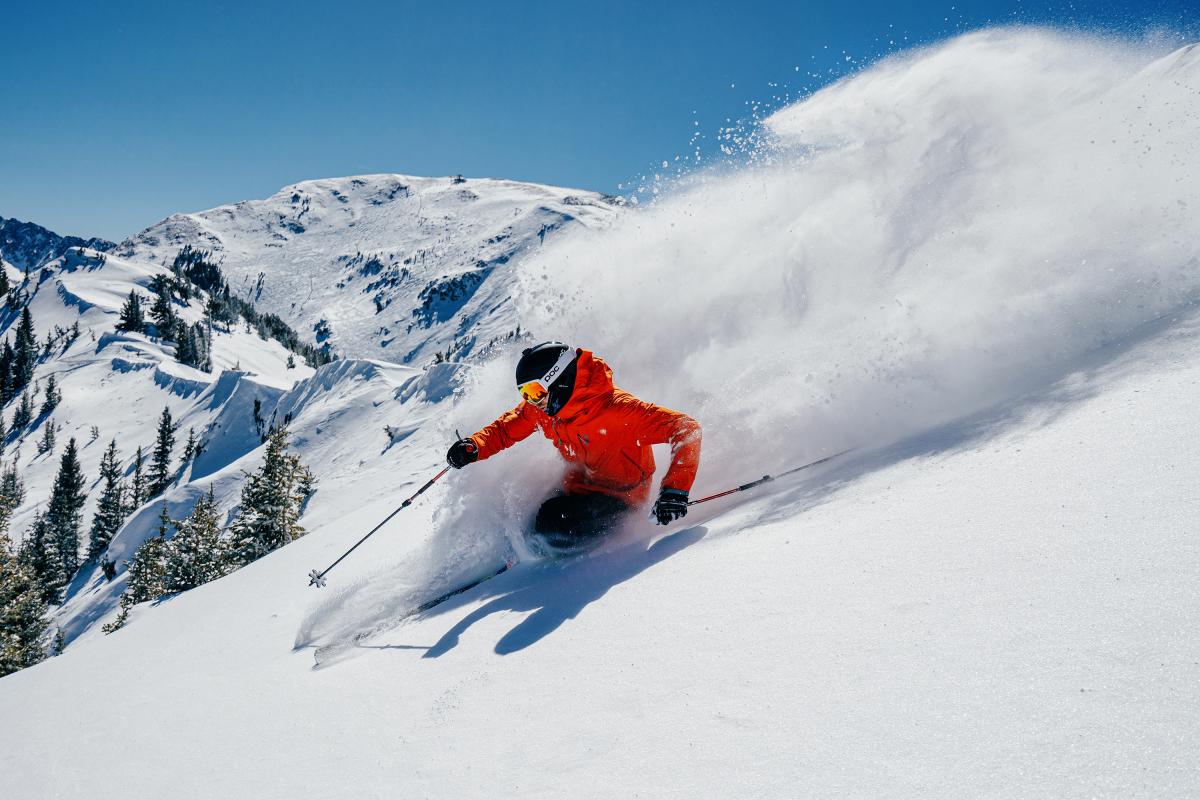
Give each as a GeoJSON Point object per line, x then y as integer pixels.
{"type": "Point", "coordinates": [383, 266]}
{"type": "Point", "coordinates": [115, 383]}
{"type": "Point", "coordinates": [29, 246]}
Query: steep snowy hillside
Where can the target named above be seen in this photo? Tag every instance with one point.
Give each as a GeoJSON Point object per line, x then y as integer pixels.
{"type": "Point", "coordinates": [1002, 608]}
{"type": "Point", "coordinates": [114, 386]}
{"type": "Point", "coordinates": [383, 266]}
{"type": "Point", "coordinates": [978, 263]}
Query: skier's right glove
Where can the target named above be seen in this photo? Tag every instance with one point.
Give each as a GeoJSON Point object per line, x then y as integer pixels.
{"type": "Point", "coordinates": [461, 453]}
{"type": "Point", "coordinates": [672, 504]}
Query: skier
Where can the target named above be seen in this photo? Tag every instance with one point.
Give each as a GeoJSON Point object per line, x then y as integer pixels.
{"type": "Point", "coordinates": [603, 432]}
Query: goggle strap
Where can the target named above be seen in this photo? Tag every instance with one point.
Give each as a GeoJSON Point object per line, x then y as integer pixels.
{"type": "Point", "coordinates": [560, 365]}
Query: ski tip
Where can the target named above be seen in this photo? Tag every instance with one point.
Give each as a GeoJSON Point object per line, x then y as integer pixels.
{"type": "Point", "coordinates": [328, 655]}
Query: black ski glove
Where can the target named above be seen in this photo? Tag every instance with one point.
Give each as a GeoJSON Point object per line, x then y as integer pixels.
{"type": "Point", "coordinates": [670, 506]}
{"type": "Point", "coordinates": [461, 453]}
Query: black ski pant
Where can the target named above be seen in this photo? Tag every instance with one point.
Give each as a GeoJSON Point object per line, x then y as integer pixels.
{"type": "Point", "coordinates": [567, 520]}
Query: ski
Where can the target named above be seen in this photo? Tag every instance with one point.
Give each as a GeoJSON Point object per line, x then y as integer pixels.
{"type": "Point", "coordinates": [466, 587]}
{"type": "Point", "coordinates": [329, 653]}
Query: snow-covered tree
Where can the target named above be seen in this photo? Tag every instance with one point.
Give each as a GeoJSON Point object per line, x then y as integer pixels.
{"type": "Point", "coordinates": [160, 459]}
{"type": "Point", "coordinates": [191, 448]}
{"type": "Point", "coordinates": [138, 489]}
{"type": "Point", "coordinates": [269, 514]}
{"type": "Point", "coordinates": [110, 509]}
{"type": "Point", "coordinates": [38, 554]}
{"type": "Point", "coordinates": [63, 517]}
{"type": "Point", "coordinates": [25, 351]}
{"type": "Point", "coordinates": [195, 554]}
{"type": "Point", "coordinates": [52, 397]}
{"type": "Point", "coordinates": [22, 613]}
{"type": "Point", "coordinates": [193, 345]}
{"type": "Point", "coordinates": [12, 494]}
{"type": "Point", "coordinates": [162, 312]}
{"type": "Point", "coordinates": [48, 440]}
{"type": "Point", "coordinates": [144, 581]}
{"type": "Point", "coordinates": [7, 388]}
{"type": "Point", "coordinates": [132, 318]}
{"type": "Point", "coordinates": [24, 413]}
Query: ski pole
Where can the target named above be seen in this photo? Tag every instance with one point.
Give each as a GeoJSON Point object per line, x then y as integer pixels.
{"type": "Point", "coordinates": [318, 578]}
{"type": "Point", "coordinates": [766, 478]}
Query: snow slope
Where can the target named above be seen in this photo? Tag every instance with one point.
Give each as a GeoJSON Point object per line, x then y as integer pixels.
{"type": "Point", "coordinates": [398, 267]}
{"type": "Point", "coordinates": [115, 385]}
{"type": "Point", "coordinates": [1002, 608]}
{"type": "Point", "coordinates": [996, 595]}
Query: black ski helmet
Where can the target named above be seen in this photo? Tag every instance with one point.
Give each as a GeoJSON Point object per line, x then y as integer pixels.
{"type": "Point", "coordinates": [536, 361]}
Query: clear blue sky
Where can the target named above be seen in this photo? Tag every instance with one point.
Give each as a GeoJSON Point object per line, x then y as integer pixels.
{"type": "Point", "coordinates": [114, 114]}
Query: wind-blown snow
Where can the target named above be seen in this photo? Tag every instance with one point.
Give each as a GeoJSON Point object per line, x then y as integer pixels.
{"type": "Point", "coordinates": [949, 229]}
{"type": "Point", "coordinates": [980, 262]}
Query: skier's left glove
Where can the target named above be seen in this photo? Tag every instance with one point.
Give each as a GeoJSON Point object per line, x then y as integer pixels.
{"type": "Point", "coordinates": [670, 506]}
{"type": "Point", "coordinates": [461, 453]}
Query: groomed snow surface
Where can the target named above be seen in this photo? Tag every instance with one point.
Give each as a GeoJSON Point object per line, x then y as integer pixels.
{"type": "Point", "coordinates": [989, 286]}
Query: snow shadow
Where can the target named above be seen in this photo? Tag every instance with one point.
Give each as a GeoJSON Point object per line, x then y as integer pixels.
{"type": "Point", "coordinates": [557, 592]}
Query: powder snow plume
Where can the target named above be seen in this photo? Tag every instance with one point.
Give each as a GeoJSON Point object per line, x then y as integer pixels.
{"type": "Point", "coordinates": [934, 236]}
{"type": "Point", "coordinates": [949, 229]}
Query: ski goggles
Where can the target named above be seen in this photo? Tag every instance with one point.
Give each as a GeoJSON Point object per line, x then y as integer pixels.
{"type": "Point", "coordinates": [534, 392]}
{"type": "Point", "coordinates": [537, 391]}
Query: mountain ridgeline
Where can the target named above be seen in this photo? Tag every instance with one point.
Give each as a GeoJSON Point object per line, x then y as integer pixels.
{"type": "Point", "coordinates": [29, 246]}
{"type": "Point", "coordinates": [396, 267]}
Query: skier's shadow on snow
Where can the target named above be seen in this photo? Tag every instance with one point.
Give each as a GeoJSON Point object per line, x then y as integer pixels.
{"type": "Point", "coordinates": [558, 592]}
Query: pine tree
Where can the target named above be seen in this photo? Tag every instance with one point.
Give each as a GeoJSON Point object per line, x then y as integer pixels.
{"type": "Point", "coordinates": [185, 345]}
{"type": "Point", "coordinates": [189, 449]}
{"type": "Point", "coordinates": [48, 440]}
{"type": "Point", "coordinates": [110, 509]}
{"type": "Point", "coordinates": [7, 387]}
{"type": "Point", "coordinates": [132, 318]}
{"type": "Point", "coordinates": [3, 434]}
{"type": "Point", "coordinates": [53, 396]}
{"type": "Point", "coordinates": [5, 287]}
{"type": "Point", "coordinates": [163, 313]}
{"type": "Point", "coordinates": [25, 352]}
{"type": "Point", "coordinates": [195, 555]}
{"type": "Point", "coordinates": [24, 413]}
{"type": "Point", "coordinates": [23, 620]}
{"type": "Point", "coordinates": [138, 489]}
{"type": "Point", "coordinates": [63, 517]}
{"type": "Point", "coordinates": [38, 555]}
{"type": "Point", "coordinates": [12, 494]}
{"type": "Point", "coordinates": [203, 334]}
{"type": "Point", "coordinates": [160, 459]}
{"type": "Point", "coordinates": [269, 516]}
{"type": "Point", "coordinates": [145, 579]}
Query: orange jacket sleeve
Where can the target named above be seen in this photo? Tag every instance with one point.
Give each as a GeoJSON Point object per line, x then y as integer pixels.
{"type": "Point", "coordinates": [657, 425]}
{"type": "Point", "coordinates": [510, 428]}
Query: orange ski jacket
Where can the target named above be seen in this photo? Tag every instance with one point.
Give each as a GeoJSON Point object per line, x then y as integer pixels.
{"type": "Point", "coordinates": [604, 433]}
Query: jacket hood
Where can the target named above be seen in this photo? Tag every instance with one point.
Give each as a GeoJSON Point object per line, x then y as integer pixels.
{"type": "Point", "coordinates": [593, 386]}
